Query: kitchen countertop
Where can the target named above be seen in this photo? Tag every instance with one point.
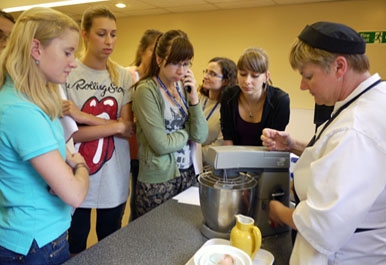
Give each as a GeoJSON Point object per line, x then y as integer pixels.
{"type": "Point", "coordinates": [168, 235]}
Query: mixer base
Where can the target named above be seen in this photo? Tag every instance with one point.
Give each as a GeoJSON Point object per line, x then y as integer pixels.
{"type": "Point", "coordinates": [210, 233]}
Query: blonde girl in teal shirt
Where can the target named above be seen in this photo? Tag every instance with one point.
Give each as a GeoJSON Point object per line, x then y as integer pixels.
{"type": "Point", "coordinates": [39, 181]}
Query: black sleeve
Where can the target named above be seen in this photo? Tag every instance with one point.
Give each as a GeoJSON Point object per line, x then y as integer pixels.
{"type": "Point", "coordinates": [226, 113]}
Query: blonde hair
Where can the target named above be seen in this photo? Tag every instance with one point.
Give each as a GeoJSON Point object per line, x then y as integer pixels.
{"type": "Point", "coordinates": [302, 53]}
{"type": "Point", "coordinates": [43, 24]}
{"type": "Point", "coordinates": [86, 25]}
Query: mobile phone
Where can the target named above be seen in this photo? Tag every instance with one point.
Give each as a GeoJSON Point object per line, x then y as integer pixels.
{"type": "Point", "coordinates": [188, 88]}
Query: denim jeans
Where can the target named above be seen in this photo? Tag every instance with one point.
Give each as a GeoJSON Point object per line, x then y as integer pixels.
{"type": "Point", "coordinates": [54, 253]}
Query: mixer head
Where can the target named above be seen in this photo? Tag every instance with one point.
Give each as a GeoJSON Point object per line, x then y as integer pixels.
{"type": "Point", "coordinates": [246, 157]}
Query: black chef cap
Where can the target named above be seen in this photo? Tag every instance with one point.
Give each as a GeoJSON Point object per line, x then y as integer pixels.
{"type": "Point", "coordinates": [333, 37]}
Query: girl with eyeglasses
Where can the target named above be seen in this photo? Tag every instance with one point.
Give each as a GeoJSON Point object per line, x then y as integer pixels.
{"type": "Point", "coordinates": [169, 122]}
{"type": "Point", "coordinates": [220, 74]}
{"type": "Point", "coordinates": [254, 104]}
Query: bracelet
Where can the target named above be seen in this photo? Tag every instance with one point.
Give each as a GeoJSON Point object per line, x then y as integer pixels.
{"type": "Point", "coordinates": [79, 165]}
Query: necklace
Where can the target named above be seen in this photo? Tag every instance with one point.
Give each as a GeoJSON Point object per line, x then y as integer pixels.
{"type": "Point", "coordinates": [249, 110]}
{"type": "Point", "coordinates": [259, 105]}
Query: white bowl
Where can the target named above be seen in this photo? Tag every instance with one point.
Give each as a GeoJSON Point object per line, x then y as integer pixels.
{"type": "Point", "coordinates": [214, 255]}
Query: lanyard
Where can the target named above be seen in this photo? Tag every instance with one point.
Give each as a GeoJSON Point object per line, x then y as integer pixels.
{"type": "Point", "coordinates": [315, 138]}
{"type": "Point", "coordinates": [211, 112]}
{"type": "Point", "coordinates": [183, 112]}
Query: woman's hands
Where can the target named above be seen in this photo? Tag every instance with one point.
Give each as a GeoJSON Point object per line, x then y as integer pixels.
{"type": "Point", "coordinates": [279, 214]}
{"type": "Point", "coordinates": [70, 109]}
{"type": "Point", "coordinates": [276, 140]}
{"type": "Point", "coordinates": [281, 141]}
{"type": "Point", "coordinates": [74, 159]}
{"type": "Point", "coordinates": [124, 127]}
{"type": "Point", "coordinates": [189, 80]}
{"type": "Point", "coordinates": [60, 177]}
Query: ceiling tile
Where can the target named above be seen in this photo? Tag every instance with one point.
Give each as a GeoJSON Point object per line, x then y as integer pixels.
{"type": "Point", "coordinates": [153, 7]}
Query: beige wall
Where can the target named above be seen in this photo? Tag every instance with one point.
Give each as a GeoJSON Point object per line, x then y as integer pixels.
{"type": "Point", "coordinates": [228, 33]}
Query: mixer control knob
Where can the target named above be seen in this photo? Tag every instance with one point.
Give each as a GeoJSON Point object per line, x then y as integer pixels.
{"type": "Point", "coordinates": [278, 194]}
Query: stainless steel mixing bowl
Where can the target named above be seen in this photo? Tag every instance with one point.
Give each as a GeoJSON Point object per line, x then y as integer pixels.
{"type": "Point", "coordinates": [221, 200]}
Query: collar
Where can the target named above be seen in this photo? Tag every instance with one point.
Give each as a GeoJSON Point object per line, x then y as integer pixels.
{"type": "Point", "coordinates": [362, 86]}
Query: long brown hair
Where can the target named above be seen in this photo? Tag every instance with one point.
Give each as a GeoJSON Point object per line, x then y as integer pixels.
{"type": "Point", "coordinates": [172, 46]}
{"type": "Point", "coordinates": [148, 38]}
{"type": "Point", "coordinates": [255, 60]}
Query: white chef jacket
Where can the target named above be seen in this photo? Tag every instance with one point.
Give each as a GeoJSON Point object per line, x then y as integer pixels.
{"type": "Point", "coordinates": [340, 181]}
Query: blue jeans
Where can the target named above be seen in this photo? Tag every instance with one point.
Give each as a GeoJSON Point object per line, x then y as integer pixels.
{"type": "Point", "coordinates": [54, 253]}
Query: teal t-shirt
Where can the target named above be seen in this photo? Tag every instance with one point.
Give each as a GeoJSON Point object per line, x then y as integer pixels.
{"type": "Point", "coordinates": [27, 210]}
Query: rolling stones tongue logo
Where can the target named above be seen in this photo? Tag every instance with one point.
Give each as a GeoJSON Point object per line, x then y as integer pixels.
{"type": "Point", "coordinates": [99, 151]}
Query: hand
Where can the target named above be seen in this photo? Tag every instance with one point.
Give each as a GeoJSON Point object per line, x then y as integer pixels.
{"type": "Point", "coordinates": [279, 214]}
{"type": "Point", "coordinates": [74, 158]}
{"type": "Point", "coordinates": [189, 80]}
{"type": "Point", "coordinates": [70, 109]}
{"type": "Point", "coordinates": [276, 140]}
{"type": "Point", "coordinates": [275, 208]}
{"type": "Point", "coordinates": [127, 128]}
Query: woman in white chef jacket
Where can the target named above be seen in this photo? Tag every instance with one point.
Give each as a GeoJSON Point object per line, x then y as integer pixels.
{"type": "Point", "coordinates": [340, 176]}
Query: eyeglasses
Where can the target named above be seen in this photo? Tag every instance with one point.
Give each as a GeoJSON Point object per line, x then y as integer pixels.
{"type": "Point", "coordinates": [211, 73]}
{"type": "Point", "coordinates": [185, 65]}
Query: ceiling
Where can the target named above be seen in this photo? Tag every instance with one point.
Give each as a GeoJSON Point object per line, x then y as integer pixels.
{"type": "Point", "coordinates": [156, 7]}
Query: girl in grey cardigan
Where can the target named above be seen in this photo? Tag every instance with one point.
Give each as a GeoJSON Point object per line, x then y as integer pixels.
{"type": "Point", "coordinates": [170, 122]}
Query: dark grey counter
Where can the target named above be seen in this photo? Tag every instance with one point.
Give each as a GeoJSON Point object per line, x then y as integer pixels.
{"type": "Point", "coordinates": [168, 235]}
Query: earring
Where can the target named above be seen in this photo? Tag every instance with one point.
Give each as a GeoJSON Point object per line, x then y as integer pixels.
{"type": "Point", "coordinates": [37, 62]}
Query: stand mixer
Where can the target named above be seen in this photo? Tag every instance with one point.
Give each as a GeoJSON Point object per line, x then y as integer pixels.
{"type": "Point", "coordinates": [271, 171]}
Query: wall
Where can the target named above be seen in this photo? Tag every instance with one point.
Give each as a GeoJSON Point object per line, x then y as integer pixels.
{"type": "Point", "coordinates": [229, 32]}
